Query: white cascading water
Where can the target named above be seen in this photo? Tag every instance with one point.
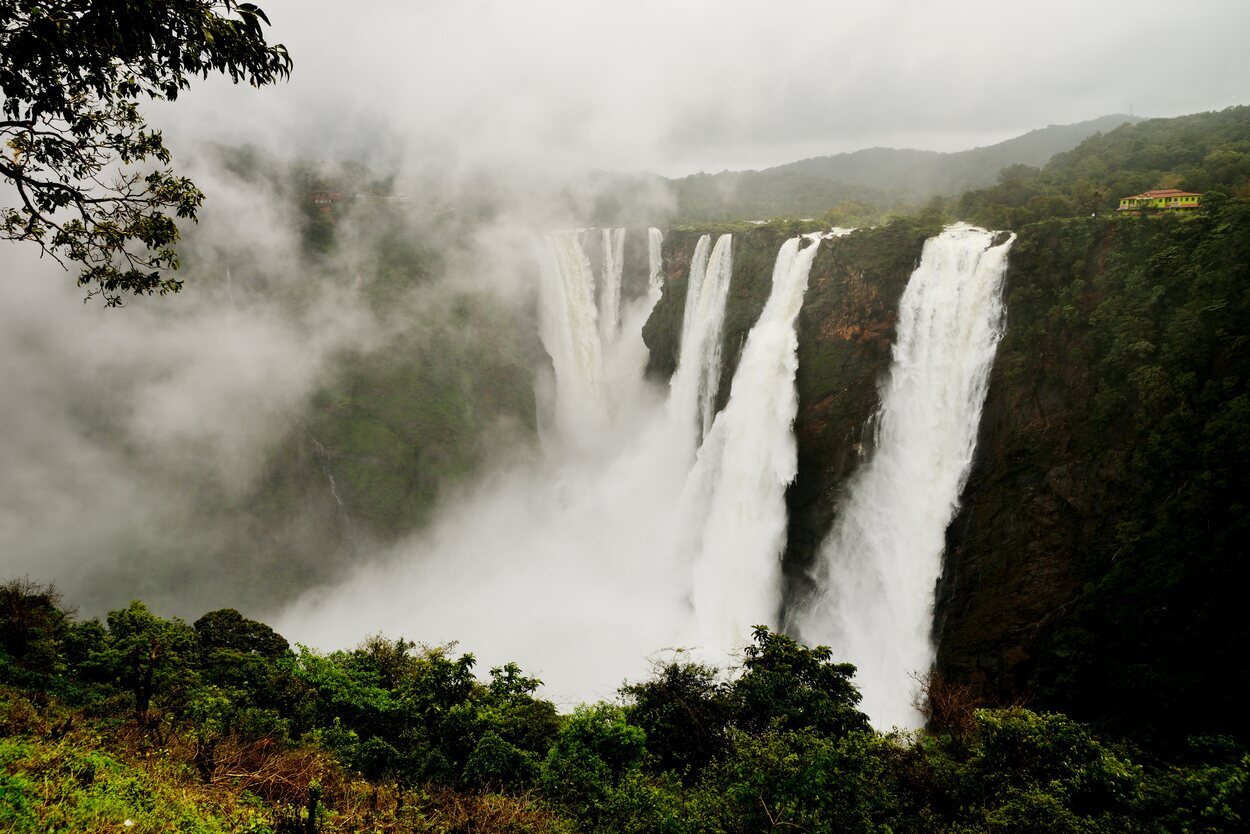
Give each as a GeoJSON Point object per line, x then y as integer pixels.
{"type": "Point", "coordinates": [735, 495]}
{"type": "Point", "coordinates": [627, 355]}
{"type": "Point", "coordinates": [655, 266]}
{"type": "Point", "coordinates": [878, 568]}
{"type": "Point", "coordinates": [692, 401]}
{"type": "Point", "coordinates": [565, 563]}
{"type": "Point", "coordinates": [567, 320]}
{"type": "Point", "coordinates": [610, 297]}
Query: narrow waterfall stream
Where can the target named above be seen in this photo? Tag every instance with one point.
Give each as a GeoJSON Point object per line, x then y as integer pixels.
{"type": "Point", "coordinates": [697, 378]}
{"type": "Point", "coordinates": [610, 295]}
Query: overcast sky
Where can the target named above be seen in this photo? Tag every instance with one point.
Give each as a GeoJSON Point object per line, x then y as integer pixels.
{"type": "Point", "coordinates": [678, 87]}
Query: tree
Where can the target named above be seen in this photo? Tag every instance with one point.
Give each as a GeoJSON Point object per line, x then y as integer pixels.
{"type": "Point", "coordinates": [685, 712]}
{"type": "Point", "coordinates": [595, 750]}
{"type": "Point", "coordinates": [147, 655]}
{"type": "Point", "coordinates": [32, 629]}
{"type": "Point", "coordinates": [239, 653]}
{"type": "Point", "coordinates": [73, 73]}
{"type": "Point", "coordinates": [790, 686]}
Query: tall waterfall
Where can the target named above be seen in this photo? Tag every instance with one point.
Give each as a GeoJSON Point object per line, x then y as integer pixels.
{"type": "Point", "coordinates": [737, 487]}
{"type": "Point", "coordinates": [655, 266]}
{"type": "Point", "coordinates": [880, 564]}
{"type": "Point", "coordinates": [569, 332]}
{"type": "Point", "coordinates": [697, 378]}
{"type": "Point", "coordinates": [610, 297]}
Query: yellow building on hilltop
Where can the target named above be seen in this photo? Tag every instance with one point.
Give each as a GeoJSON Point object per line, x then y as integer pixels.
{"type": "Point", "coordinates": [1166, 199]}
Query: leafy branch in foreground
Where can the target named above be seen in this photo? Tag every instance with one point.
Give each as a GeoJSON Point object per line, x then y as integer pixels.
{"type": "Point", "coordinates": [72, 136]}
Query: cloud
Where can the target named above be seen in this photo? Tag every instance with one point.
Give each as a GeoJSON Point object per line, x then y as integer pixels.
{"type": "Point", "coordinates": [677, 88]}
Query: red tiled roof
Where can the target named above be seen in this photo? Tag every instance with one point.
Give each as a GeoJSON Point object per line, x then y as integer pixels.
{"type": "Point", "coordinates": [1164, 192]}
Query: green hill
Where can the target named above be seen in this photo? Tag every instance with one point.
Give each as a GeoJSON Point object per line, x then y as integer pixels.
{"type": "Point", "coordinates": [1203, 152]}
{"type": "Point", "coordinates": [878, 177]}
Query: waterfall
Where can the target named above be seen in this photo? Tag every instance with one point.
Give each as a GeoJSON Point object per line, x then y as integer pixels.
{"type": "Point", "coordinates": [628, 355]}
{"type": "Point", "coordinates": [323, 462]}
{"type": "Point", "coordinates": [569, 332]}
{"type": "Point", "coordinates": [695, 382]}
{"type": "Point", "coordinates": [610, 297]}
{"type": "Point", "coordinates": [655, 266]}
{"type": "Point", "coordinates": [878, 568]}
{"type": "Point", "coordinates": [737, 487]}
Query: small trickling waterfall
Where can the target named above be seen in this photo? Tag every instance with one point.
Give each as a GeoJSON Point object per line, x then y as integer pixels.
{"type": "Point", "coordinates": [694, 385]}
{"type": "Point", "coordinates": [880, 564]}
{"type": "Point", "coordinates": [610, 295]}
{"type": "Point", "coordinates": [322, 456]}
{"type": "Point", "coordinates": [736, 492]}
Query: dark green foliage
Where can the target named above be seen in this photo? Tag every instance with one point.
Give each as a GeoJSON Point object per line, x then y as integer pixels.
{"type": "Point", "coordinates": [32, 628]}
{"type": "Point", "coordinates": [227, 629]}
{"type": "Point", "coordinates": [496, 765]}
{"type": "Point", "coordinates": [73, 73]}
{"type": "Point", "coordinates": [421, 717]}
{"type": "Point", "coordinates": [802, 779]}
{"type": "Point", "coordinates": [594, 751]}
{"type": "Point", "coordinates": [1207, 788]}
{"type": "Point", "coordinates": [147, 656]}
{"type": "Point", "coordinates": [685, 712]}
{"type": "Point", "coordinates": [1043, 772]}
{"type": "Point", "coordinates": [781, 747]}
{"type": "Point", "coordinates": [788, 686]}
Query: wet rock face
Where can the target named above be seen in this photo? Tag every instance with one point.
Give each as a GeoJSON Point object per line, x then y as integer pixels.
{"type": "Point", "coordinates": [1021, 547]}
{"type": "Point", "coordinates": [1098, 565]}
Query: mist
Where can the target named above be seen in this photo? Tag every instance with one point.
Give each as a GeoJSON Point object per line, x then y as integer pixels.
{"type": "Point", "coordinates": [128, 432]}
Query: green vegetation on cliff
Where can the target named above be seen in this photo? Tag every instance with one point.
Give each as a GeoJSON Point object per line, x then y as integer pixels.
{"type": "Point", "coordinates": [862, 187]}
{"type": "Point", "coordinates": [1206, 152]}
{"type": "Point", "coordinates": [1099, 561]}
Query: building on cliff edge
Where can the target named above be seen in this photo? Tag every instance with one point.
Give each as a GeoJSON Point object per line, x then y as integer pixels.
{"type": "Point", "coordinates": [1165, 199]}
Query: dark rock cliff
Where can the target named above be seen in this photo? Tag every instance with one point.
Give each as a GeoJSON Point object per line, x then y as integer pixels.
{"type": "Point", "coordinates": [1099, 560]}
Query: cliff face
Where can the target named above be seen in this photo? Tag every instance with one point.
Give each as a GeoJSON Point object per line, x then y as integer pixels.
{"type": "Point", "coordinates": [1100, 549]}
{"type": "Point", "coordinates": [1099, 559]}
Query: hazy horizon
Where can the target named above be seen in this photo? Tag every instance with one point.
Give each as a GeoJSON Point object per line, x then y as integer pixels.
{"type": "Point", "coordinates": [702, 86]}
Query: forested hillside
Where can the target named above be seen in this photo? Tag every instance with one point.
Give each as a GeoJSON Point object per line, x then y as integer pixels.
{"type": "Point", "coordinates": [1205, 152]}
{"type": "Point", "coordinates": [860, 187]}
{"type": "Point", "coordinates": [1104, 526]}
